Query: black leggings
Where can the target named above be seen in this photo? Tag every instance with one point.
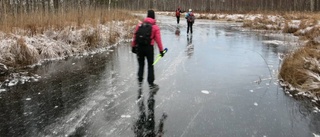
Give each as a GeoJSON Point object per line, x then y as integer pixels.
{"type": "Point", "coordinates": [145, 52]}
{"type": "Point", "coordinates": [178, 19]}
{"type": "Point", "coordinates": [189, 26]}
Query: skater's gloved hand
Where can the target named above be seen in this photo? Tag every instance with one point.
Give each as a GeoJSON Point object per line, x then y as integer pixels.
{"type": "Point", "coordinates": [161, 53]}
{"type": "Point", "coordinates": [134, 50]}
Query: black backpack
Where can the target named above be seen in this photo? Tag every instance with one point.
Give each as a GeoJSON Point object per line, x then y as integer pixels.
{"type": "Point", "coordinates": [143, 34]}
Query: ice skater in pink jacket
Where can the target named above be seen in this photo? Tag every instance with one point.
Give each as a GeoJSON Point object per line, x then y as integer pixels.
{"type": "Point", "coordinates": [144, 47]}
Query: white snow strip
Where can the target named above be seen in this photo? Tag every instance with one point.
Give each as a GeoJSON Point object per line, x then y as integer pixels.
{"type": "Point", "coordinates": [2, 90]}
{"type": "Point", "coordinates": [28, 98]}
{"type": "Point", "coordinates": [315, 135]}
{"type": "Point", "coordinates": [13, 82]}
{"type": "Point", "coordinates": [205, 91]}
{"type": "Point", "coordinates": [255, 103]}
{"type": "Point", "coordinates": [125, 116]}
{"type": "Point", "coordinates": [273, 42]}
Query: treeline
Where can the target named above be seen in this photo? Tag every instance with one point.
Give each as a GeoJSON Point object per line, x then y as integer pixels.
{"type": "Point", "coordinates": [239, 5]}
{"type": "Point", "coordinates": [14, 7]}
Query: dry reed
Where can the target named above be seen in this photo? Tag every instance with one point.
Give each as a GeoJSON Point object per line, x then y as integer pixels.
{"type": "Point", "coordinates": [59, 34]}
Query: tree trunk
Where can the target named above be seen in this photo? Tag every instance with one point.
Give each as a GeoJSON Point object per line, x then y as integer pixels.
{"type": "Point", "coordinates": [311, 5]}
{"type": "Point", "coordinates": [56, 6]}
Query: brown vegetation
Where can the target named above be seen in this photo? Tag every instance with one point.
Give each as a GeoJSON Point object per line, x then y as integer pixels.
{"type": "Point", "coordinates": [24, 54]}
{"type": "Point", "coordinates": [36, 23]}
{"type": "Point", "coordinates": [61, 27]}
{"type": "Point", "coordinates": [301, 69]}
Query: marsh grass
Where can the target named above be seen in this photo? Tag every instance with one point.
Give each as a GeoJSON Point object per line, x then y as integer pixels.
{"type": "Point", "coordinates": [301, 68]}
{"type": "Point", "coordinates": [43, 35]}
{"type": "Point", "coordinates": [35, 23]}
{"type": "Point", "coordinates": [24, 54]}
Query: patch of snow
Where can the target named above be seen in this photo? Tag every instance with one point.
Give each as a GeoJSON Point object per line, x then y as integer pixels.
{"type": "Point", "coordinates": [28, 98]}
{"type": "Point", "coordinates": [205, 91]}
{"type": "Point", "coordinates": [125, 116]}
{"type": "Point", "coordinates": [251, 90]}
{"type": "Point", "coordinates": [304, 31]}
{"type": "Point", "coordinates": [2, 90]}
{"type": "Point", "coordinates": [315, 135]}
{"type": "Point", "coordinates": [316, 110]}
{"type": "Point", "coordinates": [294, 24]}
{"type": "Point", "coordinates": [253, 17]}
{"type": "Point", "coordinates": [317, 39]}
{"type": "Point", "coordinates": [273, 42]}
{"type": "Point", "coordinates": [255, 103]}
{"type": "Point", "coordinates": [274, 18]}
{"type": "Point", "coordinates": [13, 82]}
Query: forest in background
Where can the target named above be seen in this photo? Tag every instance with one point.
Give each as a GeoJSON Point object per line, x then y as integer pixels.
{"type": "Point", "coordinates": [18, 13]}
{"type": "Point", "coordinates": [14, 7]}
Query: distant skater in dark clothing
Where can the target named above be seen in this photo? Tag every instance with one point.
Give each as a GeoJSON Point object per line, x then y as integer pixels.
{"type": "Point", "coordinates": [190, 20]}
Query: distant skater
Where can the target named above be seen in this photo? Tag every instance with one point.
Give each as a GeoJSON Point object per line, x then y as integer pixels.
{"type": "Point", "coordinates": [178, 12]}
{"type": "Point", "coordinates": [190, 20]}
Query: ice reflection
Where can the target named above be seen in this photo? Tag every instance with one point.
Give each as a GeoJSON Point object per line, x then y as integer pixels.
{"type": "Point", "coordinates": [177, 32]}
{"type": "Point", "coordinates": [145, 124]}
{"type": "Point", "coordinates": [26, 109]}
{"type": "Point", "coordinates": [190, 46]}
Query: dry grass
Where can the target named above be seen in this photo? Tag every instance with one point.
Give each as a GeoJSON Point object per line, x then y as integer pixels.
{"type": "Point", "coordinates": [24, 54]}
{"type": "Point", "coordinates": [92, 38]}
{"type": "Point", "coordinates": [314, 32]}
{"type": "Point", "coordinates": [38, 22]}
{"type": "Point", "coordinates": [264, 23]}
{"type": "Point", "coordinates": [289, 29]}
{"type": "Point", "coordinates": [301, 15]}
{"type": "Point", "coordinates": [60, 34]}
{"type": "Point", "coordinates": [301, 68]}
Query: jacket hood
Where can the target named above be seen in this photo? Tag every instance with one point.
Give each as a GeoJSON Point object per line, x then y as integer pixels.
{"type": "Point", "coordinates": [150, 20]}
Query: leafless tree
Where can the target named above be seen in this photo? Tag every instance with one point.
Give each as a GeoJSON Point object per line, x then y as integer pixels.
{"type": "Point", "coordinates": [15, 7]}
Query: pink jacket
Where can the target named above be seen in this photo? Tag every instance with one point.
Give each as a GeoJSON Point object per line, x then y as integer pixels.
{"type": "Point", "coordinates": [155, 33]}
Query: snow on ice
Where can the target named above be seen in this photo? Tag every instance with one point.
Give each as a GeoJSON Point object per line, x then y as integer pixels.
{"type": "Point", "coordinates": [125, 116]}
{"type": "Point", "coordinates": [315, 135]}
{"type": "Point", "coordinates": [205, 92]}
